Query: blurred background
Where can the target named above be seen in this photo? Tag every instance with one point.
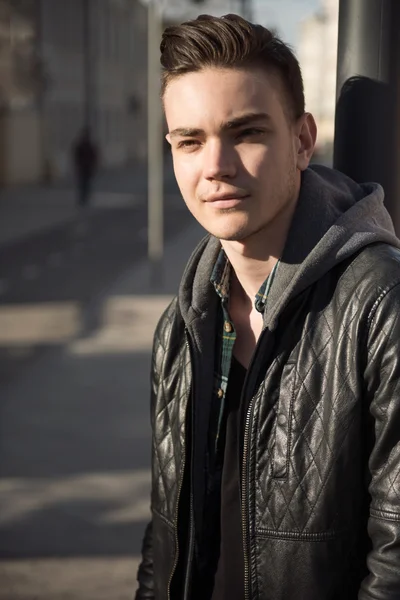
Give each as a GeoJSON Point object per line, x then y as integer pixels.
{"type": "Point", "coordinates": [88, 260]}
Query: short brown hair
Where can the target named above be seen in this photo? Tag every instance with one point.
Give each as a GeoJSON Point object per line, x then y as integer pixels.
{"type": "Point", "coordinates": [230, 42]}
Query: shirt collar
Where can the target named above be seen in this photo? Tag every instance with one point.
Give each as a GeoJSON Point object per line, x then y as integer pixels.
{"type": "Point", "coordinates": [220, 278]}
{"type": "Point", "coordinates": [221, 275]}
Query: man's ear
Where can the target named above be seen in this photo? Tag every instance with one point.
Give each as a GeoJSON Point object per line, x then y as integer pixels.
{"type": "Point", "coordinates": [168, 138]}
{"type": "Point", "coordinates": [306, 130]}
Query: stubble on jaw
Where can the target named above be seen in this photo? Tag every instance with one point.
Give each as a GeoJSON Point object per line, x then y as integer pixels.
{"type": "Point", "coordinates": [291, 198]}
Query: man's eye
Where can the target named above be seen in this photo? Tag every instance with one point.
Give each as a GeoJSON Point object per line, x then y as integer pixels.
{"type": "Point", "coordinates": [188, 143]}
{"type": "Point", "coordinates": [250, 132]}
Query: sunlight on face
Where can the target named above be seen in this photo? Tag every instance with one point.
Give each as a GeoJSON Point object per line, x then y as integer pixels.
{"type": "Point", "coordinates": [233, 148]}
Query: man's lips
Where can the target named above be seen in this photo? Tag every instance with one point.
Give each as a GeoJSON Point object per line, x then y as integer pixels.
{"type": "Point", "coordinates": [226, 196]}
{"type": "Point", "coordinates": [226, 200]}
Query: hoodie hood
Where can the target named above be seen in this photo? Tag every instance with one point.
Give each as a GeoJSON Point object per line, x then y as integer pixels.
{"type": "Point", "coordinates": [334, 218]}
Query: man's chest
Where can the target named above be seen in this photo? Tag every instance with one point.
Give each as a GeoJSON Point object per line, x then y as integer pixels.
{"type": "Point", "coordinates": [248, 327]}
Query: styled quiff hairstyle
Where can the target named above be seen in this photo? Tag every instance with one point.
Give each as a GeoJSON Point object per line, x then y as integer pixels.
{"type": "Point", "coordinates": [230, 42]}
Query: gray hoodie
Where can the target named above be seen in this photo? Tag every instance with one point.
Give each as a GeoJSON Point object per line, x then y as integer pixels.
{"type": "Point", "coordinates": [334, 218]}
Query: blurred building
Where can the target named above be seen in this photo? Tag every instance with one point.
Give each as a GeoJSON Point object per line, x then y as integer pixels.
{"type": "Point", "coordinates": [179, 10]}
{"type": "Point", "coordinates": [92, 51]}
{"type": "Point", "coordinates": [64, 65]}
{"type": "Point", "coordinates": [19, 86]}
{"type": "Point", "coordinates": [317, 54]}
{"type": "Point", "coordinates": [67, 64]}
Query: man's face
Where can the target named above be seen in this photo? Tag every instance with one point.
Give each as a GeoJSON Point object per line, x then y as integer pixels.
{"type": "Point", "coordinates": [235, 152]}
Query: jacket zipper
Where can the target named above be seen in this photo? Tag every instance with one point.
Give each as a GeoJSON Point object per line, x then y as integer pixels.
{"type": "Point", "coordinates": [245, 507]}
{"type": "Point", "coordinates": [191, 547]}
{"type": "Point", "coordinates": [176, 533]}
{"type": "Point", "coordinates": [177, 506]}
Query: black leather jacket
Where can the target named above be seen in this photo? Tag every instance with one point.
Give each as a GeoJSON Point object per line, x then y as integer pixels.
{"type": "Point", "coordinates": [320, 460]}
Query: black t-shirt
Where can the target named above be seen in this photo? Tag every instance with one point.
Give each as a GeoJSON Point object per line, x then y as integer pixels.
{"type": "Point", "coordinates": [229, 576]}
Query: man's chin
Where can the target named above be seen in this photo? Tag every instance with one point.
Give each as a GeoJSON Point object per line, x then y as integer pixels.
{"type": "Point", "coordinates": [241, 233]}
{"type": "Point", "coordinates": [231, 227]}
{"type": "Point", "coordinates": [232, 235]}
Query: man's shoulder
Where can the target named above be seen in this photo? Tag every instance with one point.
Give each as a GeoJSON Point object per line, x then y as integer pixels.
{"type": "Point", "coordinates": [169, 321]}
{"type": "Point", "coordinates": [371, 274]}
{"type": "Point", "coordinates": [380, 261]}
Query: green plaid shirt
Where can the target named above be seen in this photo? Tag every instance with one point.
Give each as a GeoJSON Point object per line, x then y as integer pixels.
{"type": "Point", "coordinates": [226, 337]}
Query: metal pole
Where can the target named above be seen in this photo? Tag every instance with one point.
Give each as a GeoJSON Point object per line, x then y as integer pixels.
{"type": "Point", "coordinates": [246, 9]}
{"type": "Point", "coordinates": [87, 62]}
{"type": "Point", "coordinates": [46, 176]}
{"type": "Point", "coordinates": [155, 237]}
{"type": "Point", "coordinates": [363, 40]}
{"type": "Point", "coordinates": [367, 120]}
{"type": "Point", "coordinates": [395, 85]}
{"type": "Point", "coordinates": [90, 66]}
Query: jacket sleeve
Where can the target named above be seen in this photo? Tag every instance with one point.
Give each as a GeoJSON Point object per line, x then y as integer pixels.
{"type": "Point", "coordinates": [145, 572]}
{"type": "Point", "coordinates": [145, 575]}
{"type": "Point", "coordinates": [382, 379]}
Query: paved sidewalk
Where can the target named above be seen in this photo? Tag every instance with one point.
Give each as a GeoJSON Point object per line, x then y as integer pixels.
{"type": "Point", "coordinates": [75, 436]}
{"type": "Point", "coordinates": [124, 316]}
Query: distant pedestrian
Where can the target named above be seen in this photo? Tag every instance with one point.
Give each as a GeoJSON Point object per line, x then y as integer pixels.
{"type": "Point", "coordinates": [85, 157]}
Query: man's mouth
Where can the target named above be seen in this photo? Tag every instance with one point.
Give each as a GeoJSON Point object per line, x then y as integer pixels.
{"type": "Point", "coordinates": [227, 200]}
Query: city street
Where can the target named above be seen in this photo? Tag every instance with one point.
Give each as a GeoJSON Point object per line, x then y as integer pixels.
{"type": "Point", "coordinates": [77, 313]}
{"type": "Point", "coordinates": [74, 262]}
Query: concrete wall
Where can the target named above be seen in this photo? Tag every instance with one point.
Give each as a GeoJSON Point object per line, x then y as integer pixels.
{"type": "Point", "coordinates": [117, 75]}
{"type": "Point", "coordinates": [117, 71]}
{"type": "Point", "coordinates": [137, 84]}
{"type": "Point", "coordinates": [61, 47]}
{"type": "Point", "coordinates": [111, 47]}
{"type": "Point", "coordinates": [20, 147]}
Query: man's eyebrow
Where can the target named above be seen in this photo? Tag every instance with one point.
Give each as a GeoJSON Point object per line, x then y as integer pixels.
{"type": "Point", "coordinates": [186, 132]}
{"type": "Point", "coordinates": [232, 124]}
{"type": "Point", "coordinates": [246, 120]}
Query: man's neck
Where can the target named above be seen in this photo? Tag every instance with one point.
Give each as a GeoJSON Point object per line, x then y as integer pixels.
{"type": "Point", "coordinates": [249, 274]}
{"type": "Point", "coordinates": [254, 258]}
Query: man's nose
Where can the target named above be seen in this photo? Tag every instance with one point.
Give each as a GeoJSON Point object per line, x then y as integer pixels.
{"type": "Point", "coordinates": [219, 160]}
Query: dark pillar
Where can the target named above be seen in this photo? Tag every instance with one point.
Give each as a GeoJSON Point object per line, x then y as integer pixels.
{"type": "Point", "coordinates": [367, 124]}
{"type": "Point", "coordinates": [246, 9]}
{"type": "Point", "coordinates": [87, 62]}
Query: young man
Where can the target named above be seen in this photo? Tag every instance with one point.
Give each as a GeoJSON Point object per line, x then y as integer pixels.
{"type": "Point", "coordinates": [276, 371]}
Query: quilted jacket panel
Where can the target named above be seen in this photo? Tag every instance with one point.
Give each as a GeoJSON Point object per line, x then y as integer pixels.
{"type": "Point", "coordinates": [323, 518]}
